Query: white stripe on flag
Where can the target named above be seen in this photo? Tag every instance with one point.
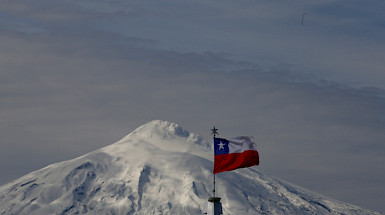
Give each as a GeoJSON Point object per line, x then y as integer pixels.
{"type": "Point", "coordinates": [241, 144]}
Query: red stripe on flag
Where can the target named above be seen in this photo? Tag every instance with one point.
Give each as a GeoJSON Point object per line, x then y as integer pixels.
{"type": "Point", "coordinates": [228, 162]}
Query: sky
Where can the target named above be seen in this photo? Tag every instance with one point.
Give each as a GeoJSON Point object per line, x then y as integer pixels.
{"type": "Point", "coordinates": [306, 79]}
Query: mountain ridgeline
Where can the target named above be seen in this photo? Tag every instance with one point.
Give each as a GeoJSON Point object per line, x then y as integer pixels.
{"type": "Point", "coordinates": [159, 168]}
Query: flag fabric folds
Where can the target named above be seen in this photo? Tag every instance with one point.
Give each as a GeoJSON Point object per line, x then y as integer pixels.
{"type": "Point", "coordinates": [234, 153]}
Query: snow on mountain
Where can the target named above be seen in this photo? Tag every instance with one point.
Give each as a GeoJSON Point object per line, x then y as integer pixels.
{"type": "Point", "coordinates": [159, 168]}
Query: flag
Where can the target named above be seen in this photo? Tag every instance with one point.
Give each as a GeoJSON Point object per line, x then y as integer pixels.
{"type": "Point", "coordinates": [234, 153]}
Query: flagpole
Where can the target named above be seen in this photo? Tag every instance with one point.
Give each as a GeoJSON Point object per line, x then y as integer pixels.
{"type": "Point", "coordinates": [214, 132]}
{"type": "Point", "coordinates": [213, 206]}
{"type": "Point", "coordinates": [214, 187]}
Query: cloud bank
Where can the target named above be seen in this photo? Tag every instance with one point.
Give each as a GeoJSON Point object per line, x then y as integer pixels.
{"type": "Point", "coordinates": [76, 76]}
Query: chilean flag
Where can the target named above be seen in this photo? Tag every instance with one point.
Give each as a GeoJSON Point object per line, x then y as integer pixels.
{"type": "Point", "coordinates": [234, 153]}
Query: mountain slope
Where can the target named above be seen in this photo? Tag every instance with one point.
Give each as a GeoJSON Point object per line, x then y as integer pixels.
{"type": "Point", "coordinates": [159, 168]}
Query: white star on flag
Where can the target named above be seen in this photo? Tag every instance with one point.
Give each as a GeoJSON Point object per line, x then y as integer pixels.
{"type": "Point", "coordinates": [221, 146]}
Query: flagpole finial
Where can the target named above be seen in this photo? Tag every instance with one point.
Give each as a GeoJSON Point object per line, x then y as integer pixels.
{"type": "Point", "coordinates": [214, 131]}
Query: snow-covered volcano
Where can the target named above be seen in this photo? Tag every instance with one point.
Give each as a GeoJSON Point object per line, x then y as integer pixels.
{"type": "Point", "coordinates": [159, 168]}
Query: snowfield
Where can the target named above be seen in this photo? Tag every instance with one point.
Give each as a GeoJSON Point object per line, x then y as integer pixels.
{"type": "Point", "coordinates": [159, 168]}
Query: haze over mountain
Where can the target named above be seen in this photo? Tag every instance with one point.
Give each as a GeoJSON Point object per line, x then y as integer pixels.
{"type": "Point", "coordinates": [159, 168]}
{"type": "Point", "coordinates": [76, 75]}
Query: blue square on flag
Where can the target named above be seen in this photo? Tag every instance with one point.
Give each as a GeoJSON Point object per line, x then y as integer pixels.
{"type": "Point", "coordinates": [221, 146]}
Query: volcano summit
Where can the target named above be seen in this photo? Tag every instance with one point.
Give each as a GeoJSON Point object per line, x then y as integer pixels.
{"type": "Point", "coordinates": [159, 168]}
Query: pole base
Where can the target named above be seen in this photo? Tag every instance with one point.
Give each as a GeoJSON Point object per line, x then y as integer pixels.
{"type": "Point", "coordinates": [214, 199]}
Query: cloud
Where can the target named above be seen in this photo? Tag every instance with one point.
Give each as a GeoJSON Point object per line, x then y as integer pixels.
{"type": "Point", "coordinates": [73, 88]}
